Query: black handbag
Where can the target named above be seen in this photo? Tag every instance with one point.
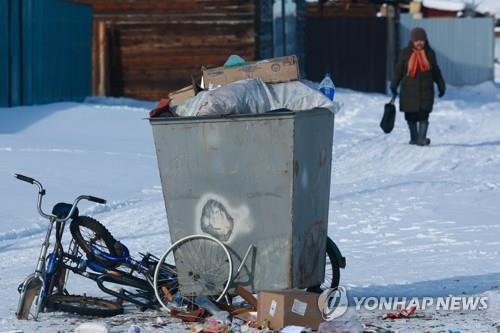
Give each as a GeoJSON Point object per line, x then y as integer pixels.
{"type": "Point", "coordinates": [387, 122]}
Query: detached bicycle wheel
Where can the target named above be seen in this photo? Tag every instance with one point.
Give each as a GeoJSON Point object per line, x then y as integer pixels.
{"type": "Point", "coordinates": [92, 237]}
{"type": "Point", "coordinates": [332, 269]}
{"type": "Point", "coordinates": [202, 265]}
{"type": "Point", "coordinates": [83, 305]}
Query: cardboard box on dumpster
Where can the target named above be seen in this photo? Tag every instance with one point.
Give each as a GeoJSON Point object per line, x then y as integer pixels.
{"type": "Point", "coordinates": [289, 307]}
{"type": "Point", "coordinates": [273, 70]}
{"type": "Point", "coordinates": [180, 96]}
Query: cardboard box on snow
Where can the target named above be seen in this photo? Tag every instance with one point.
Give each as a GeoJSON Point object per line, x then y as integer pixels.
{"type": "Point", "coordinates": [273, 70]}
{"type": "Point", "coordinates": [289, 307]}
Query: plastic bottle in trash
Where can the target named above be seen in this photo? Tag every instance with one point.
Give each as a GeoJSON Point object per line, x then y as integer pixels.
{"type": "Point", "coordinates": [327, 87]}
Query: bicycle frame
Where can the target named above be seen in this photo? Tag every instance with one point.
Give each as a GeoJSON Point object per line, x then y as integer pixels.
{"type": "Point", "coordinates": [142, 297]}
{"type": "Point", "coordinates": [127, 279]}
{"type": "Point", "coordinates": [125, 258]}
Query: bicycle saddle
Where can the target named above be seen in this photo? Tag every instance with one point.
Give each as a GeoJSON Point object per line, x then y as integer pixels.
{"type": "Point", "coordinates": [61, 210]}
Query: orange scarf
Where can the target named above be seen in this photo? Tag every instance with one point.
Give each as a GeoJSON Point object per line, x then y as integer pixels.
{"type": "Point", "coordinates": [418, 61]}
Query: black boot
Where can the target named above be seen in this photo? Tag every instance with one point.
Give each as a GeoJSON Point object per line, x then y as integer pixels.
{"type": "Point", "coordinates": [422, 133]}
{"type": "Point", "coordinates": [412, 125]}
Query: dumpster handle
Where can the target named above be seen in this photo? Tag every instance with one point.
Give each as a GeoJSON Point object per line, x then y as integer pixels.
{"type": "Point", "coordinates": [250, 248]}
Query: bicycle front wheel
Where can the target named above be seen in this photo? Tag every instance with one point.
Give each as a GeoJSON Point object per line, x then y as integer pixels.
{"type": "Point", "coordinates": [91, 235]}
{"type": "Point", "coordinates": [202, 265]}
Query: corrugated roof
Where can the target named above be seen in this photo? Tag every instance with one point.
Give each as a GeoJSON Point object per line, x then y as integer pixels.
{"type": "Point", "coordinates": [481, 6]}
{"type": "Point", "coordinates": [489, 6]}
{"type": "Point", "coordinates": [450, 5]}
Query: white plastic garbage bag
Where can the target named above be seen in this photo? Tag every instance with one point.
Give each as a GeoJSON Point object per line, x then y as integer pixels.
{"type": "Point", "coordinates": [254, 96]}
{"type": "Point", "coordinates": [190, 107]}
{"type": "Point", "coordinates": [240, 97]}
{"type": "Point", "coordinates": [296, 96]}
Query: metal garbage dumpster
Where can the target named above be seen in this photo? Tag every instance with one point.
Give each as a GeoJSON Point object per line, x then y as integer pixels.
{"type": "Point", "coordinates": [261, 179]}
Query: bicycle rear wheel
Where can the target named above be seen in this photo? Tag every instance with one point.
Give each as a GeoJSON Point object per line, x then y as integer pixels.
{"type": "Point", "coordinates": [83, 305]}
{"type": "Point", "coordinates": [203, 266]}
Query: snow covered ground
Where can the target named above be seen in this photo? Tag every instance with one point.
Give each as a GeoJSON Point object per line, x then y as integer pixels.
{"type": "Point", "coordinates": [412, 221]}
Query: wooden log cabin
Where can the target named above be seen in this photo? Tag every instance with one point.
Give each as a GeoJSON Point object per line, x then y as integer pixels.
{"type": "Point", "coordinates": [147, 48]}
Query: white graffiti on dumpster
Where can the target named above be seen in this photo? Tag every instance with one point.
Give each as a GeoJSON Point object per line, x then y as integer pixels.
{"type": "Point", "coordinates": [218, 219]}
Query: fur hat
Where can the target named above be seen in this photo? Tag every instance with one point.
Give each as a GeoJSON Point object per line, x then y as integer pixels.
{"type": "Point", "coordinates": [418, 33]}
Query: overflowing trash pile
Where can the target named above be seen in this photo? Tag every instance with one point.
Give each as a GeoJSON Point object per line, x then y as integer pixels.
{"type": "Point", "coordinates": [241, 87]}
{"type": "Point", "coordinates": [284, 311]}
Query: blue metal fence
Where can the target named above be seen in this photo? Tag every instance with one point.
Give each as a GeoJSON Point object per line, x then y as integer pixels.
{"type": "Point", "coordinates": [4, 54]}
{"type": "Point", "coordinates": [48, 51]}
{"type": "Point", "coordinates": [15, 54]}
{"type": "Point", "coordinates": [464, 47]}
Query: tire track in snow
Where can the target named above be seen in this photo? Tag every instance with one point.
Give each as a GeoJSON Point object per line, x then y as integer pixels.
{"type": "Point", "coordinates": [41, 227]}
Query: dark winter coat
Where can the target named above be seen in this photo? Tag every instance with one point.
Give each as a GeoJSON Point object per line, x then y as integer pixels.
{"type": "Point", "coordinates": [417, 94]}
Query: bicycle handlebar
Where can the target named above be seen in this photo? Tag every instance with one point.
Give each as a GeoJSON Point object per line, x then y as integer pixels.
{"type": "Point", "coordinates": [41, 193]}
{"type": "Point", "coordinates": [96, 199]}
{"type": "Point", "coordinates": [24, 178]}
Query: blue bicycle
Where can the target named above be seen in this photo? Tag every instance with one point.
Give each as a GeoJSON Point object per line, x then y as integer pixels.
{"type": "Point", "coordinates": [37, 291]}
{"type": "Point", "coordinates": [94, 254]}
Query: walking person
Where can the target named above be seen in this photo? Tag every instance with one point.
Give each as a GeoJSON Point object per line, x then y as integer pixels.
{"type": "Point", "coordinates": [417, 70]}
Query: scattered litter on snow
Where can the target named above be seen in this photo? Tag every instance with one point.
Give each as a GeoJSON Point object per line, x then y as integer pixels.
{"type": "Point", "coordinates": [347, 323]}
{"type": "Point", "coordinates": [134, 329]}
{"type": "Point", "coordinates": [292, 329]}
{"type": "Point", "coordinates": [93, 328]}
{"type": "Point", "coordinates": [402, 313]}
